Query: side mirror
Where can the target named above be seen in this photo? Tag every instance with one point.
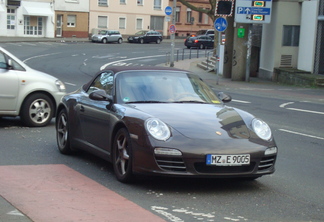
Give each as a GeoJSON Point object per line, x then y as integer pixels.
{"type": "Point", "coordinates": [100, 95]}
{"type": "Point", "coordinates": [224, 97]}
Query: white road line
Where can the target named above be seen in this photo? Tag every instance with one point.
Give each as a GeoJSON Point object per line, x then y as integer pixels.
{"type": "Point", "coordinates": [123, 60]}
{"type": "Point", "coordinates": [285, 104]}
{"type": "Point", "coordinates": [302, 134]}
{"type": "Point", "coordinates": [306, 111]}
{"type": "Point", "coordinates": [40, 56]}
{"type": "Point", "coordinates": [240, 101]}
{"type": "Point", "coordinates": [71, 84]}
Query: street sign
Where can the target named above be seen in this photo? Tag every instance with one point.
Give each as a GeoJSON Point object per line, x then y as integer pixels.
{"type": "Point", "coordinates": [168, 10]}
{"type": "Point", "coordinates": [172, 29]}
{"type": "Point", "coordinates": [220, 24]}
{"type": "Point", "coordinates": [253, 11]}
{"type": "Point", "coordinates": [250, 11]}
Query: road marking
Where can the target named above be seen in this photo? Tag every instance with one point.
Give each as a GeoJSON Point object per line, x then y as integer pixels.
{"type": "Point", "coordinates": [123, 60]}
{"type": "Point", "coordinates": [301, 134]}
{"type": "Point", "coordinates": [240, 101]}
{"type": "Point", "coordinates": [68, 83]}
{"type": "Point", "coordinates": [40, 56]}
{"type": "Point", "coordinates": [300, 110]}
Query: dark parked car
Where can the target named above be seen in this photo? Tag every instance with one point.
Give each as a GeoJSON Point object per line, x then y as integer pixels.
{"type": "Point", "coordinates": [201, 42]}
{"type": "Point", "coordinates": [163, 121]}
{"type": "Point", "coordinates": [146, 37]}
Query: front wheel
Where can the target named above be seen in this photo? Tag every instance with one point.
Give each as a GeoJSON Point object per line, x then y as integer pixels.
{"type": "Point", "coordinates": [122, 156]}
{"type": "Point", "coordinates": [158, 41]}
{"type": "Point", "coordinates": [141, 41]}
{"type": "Point", "coordinates": [120, 41]}
{"type": "Point", "coordinates": [37, 110]}
{"type": "Point", "coordinates": [62, 133]}
{"type": "Point", "coordinates": [104, 41]}
{"type": "Point", "coordinates": [201, 46]}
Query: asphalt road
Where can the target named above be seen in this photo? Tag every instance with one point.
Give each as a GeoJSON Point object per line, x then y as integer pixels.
{"type": "Point", "coordinates": [293, 193]}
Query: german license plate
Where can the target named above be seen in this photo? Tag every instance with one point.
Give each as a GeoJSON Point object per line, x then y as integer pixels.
{"type": "Point", "coordinates": [228, 160]}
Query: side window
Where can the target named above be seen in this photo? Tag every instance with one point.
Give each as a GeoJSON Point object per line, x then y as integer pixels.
{"type": "Point", "coordinates": [3, 63]}
{"type": "Point", "coordinates": [104, 81]}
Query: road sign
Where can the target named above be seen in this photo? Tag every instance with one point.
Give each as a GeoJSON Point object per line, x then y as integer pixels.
{"type": "Point", "coordinates": [172, 29]}
{"type": "Point", "coordinates": [250, 11]}
{"type": "Point", "coordinates": [220, 24]}
{"type": "Point", "coordinates": [168, 10]}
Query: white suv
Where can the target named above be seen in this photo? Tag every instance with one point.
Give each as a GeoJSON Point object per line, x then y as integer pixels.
{"type": "Point", "coordinates": [26, 92]}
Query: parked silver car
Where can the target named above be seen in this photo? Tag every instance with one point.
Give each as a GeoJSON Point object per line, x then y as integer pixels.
{"type": "Point", "coordinates": [106, 36]}
{"type": "Point", "coordinates": [28, 93]}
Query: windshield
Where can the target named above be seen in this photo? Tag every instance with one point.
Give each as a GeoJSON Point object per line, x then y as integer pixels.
{"type": "Point", "coordinates": [102, 32]}
{"type": "Point", "coordinates": [162, 87]}
{"type": "Point", "coordinates": [141, 33]}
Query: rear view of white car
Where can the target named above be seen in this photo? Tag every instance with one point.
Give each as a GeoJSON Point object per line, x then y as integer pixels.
{"type": "Point", "coordinates": [28, 93]}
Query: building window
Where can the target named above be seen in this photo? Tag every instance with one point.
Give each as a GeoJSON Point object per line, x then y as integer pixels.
{"type": "Point", "coordinates": [290, 35]}
{"type": "Point", "coordinates": [102, 2]}
{"type": "Point", "coordinates": [71, 20]}
{"type": "Point", "coordinates": [139, 24]}
{"type": "Point", "coordinates": [122, 23]}
{"type": "Point", "coordinates": [189, 15]}
{"type": "Point", "coordinates": [157, 4]}
{"type": "Point", "coordinates": [177, 15]}
{"type": "Point", "coordinates": [122, 2]}
{"type": "Point", "coordinates": [205, 17]}
{"type": "Point", "coordinates": [102, 21]}
{"type": "Point", "coordinates": [11, 19]}
{"type": "Point", "coordinates": [139, 2]}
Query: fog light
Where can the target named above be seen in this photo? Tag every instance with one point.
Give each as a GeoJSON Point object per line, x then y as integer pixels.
{"type": "Point", "coordinates": [269, 151]}
{"type": "Point", "coordinates": [167, 151]}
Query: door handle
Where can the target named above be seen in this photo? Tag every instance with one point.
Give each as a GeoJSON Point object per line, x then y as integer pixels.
{"type": "Point", "coordinates": [82, 109]}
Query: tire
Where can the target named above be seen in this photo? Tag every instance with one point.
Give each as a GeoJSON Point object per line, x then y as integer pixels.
{"type": "Point", "coordinates": [141, 41]}
{"type": "Point", "coordinates": [37, 110]}
{"type": "Point", "coordinates": [104, 41]}
{"type": "Point", "coordinates": [201, 46]}
{"type": "Point", "coordinates": [158, 41]}
{"type": "Point", "coordinates": [120, 41]}
{"type": "Point", "coordinates": [122, 156]}
{"type": "Point", "coordinates": [188, 47]}
{"type": "Point", "coordinates": [62, 133]}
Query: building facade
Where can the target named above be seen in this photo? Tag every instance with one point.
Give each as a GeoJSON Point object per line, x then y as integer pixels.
{"type": "Point", "coordinates": [128, 16]}
{"type": "Point", "coordinates": [27, 18]}
{"type": "Point", "coordinates": [71, 18]}
{"type": "Point", "coordinates": [188, 21]}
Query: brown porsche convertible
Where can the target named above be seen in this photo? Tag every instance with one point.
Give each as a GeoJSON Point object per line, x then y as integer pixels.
{"type": "Point", "coordinates": [163, 121]}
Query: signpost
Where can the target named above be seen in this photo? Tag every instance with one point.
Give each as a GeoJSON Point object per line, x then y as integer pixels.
{"type": "Point", "coordinates": [220, 25]}
{"type": "Point", "coordinates": [172, 29]}
{"type": "Point", "coordinates": [250, 11]}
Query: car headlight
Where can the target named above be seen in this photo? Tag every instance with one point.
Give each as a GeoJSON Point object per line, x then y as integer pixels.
{"type": "Point", "coordinates": [158, 129]}
{"type": "Point", "coordinates": [262, 129]}
{"type": "Point", "coordinates": [60, 85]}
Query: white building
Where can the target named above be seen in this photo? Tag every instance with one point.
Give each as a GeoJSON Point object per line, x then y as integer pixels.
{"type": "Point", "coordinates": [27, 18]}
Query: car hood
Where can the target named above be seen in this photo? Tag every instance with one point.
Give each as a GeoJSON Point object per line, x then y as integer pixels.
{"type": "Point", "coordinates": [203, 121]}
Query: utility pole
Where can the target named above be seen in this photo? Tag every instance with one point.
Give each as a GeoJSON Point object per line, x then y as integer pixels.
{"type": "Point", "coordinates": [173, 34]}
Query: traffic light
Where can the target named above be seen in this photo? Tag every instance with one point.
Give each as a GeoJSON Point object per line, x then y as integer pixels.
{"type": "Point", "coordinates": [224, 8]}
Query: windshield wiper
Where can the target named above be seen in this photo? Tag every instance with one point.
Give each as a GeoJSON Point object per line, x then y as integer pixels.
{"type": "Point", "coordinates": [145, 101]}
{"type": "Point", "coordinates": [189, 101]}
